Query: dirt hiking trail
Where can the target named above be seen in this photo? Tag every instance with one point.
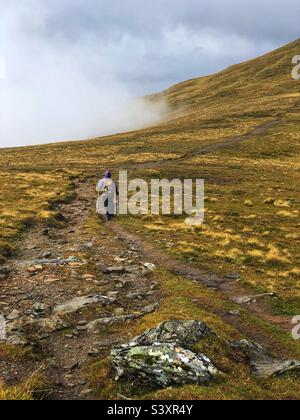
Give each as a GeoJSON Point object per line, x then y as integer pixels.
{"type": "Point", "coordinates": [73, 289]}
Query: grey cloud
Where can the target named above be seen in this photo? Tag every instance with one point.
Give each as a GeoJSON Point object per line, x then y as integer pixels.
{"type": "Point", "coordinates": [259, 20]}
{"type": "Point", "coordinates": [74, 64]}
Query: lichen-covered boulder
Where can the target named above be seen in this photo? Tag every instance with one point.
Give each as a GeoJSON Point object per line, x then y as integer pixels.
{"type": "Point", "coordinates": [162, 365]}
{"type": "Point", "coordinates": [182, 333]}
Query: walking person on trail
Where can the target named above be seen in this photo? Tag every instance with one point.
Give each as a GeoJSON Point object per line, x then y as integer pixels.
{"type": "Point", "coordinates": [107, 197]}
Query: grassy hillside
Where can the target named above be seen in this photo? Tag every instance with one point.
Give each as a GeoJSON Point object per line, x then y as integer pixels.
{"type": "Point", "coordinates": [202, 111]}
{"type": "Point", "coordinates": [240, 131]}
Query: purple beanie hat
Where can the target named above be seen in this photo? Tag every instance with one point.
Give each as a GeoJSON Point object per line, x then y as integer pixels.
{"type": "Point", "coordinates": [107, 174]}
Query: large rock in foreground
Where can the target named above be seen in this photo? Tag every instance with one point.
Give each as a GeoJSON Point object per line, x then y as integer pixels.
{"type": "Point", "coordinates": [162, 365]}
{"type": "Point", "coordinates": [162, 356]}
{"type": "Point", "coordinates": [182, 333]}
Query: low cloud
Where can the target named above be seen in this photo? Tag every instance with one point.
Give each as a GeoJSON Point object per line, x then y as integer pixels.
{"type": "Point", "coordinates": [74, 67]}
{"type": "Point", "coordinates": [56, 91]}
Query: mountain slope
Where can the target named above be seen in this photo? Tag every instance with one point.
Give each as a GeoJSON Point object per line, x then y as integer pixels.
{"type": "Point", "coordinates": [226, 104]}
{"type": "Point", "coordinates": [239, 130]}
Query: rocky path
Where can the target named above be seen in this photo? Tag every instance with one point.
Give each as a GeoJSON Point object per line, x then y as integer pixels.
{"type": "Point", "coordinates": [68, 292]}
{"type": "Point", "coordinates": [71, 292]}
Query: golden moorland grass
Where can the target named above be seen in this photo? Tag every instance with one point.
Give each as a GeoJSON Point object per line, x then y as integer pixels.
{"type": "Point", "coordinates": [252, 202]}
{"type": "Point", "coordinates": [183, 299]}
{"type": "Point", "coordinates": [26, 198]}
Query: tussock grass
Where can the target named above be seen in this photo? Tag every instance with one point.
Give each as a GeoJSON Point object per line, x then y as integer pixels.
{"type": "Point", "coordinates": [27, 198]}
{"type": "Point", "coordinates": [30, 389]}
{"type": "Point", "coordinates": [252, 207]}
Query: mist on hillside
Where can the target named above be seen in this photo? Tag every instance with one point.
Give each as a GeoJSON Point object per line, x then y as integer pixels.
{"type": "Point", "coordinates": [74, 66]}
{"type": "Point", "coordinates": [54, 91]}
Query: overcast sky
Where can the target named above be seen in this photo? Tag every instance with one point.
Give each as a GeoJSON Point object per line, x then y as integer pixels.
{"type": "Point", "coordinates": [71, 65]}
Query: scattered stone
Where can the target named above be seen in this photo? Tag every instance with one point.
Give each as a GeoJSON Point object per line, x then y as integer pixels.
{"type": "Point", "coordinates": [234, 313]}
{"type": "Point", "coordinates": [136, 295]}
{"type": "Point", "coordinates": [181, 333]}
{"type": "Point", "coordinates": [41, 310]}
{"type": "Point", "coordinates": [112, 295]}
{"type": "Point", "coordinates": [114, 270]}
{"type": "Point", "coordinates": [72, 366]}
{"type": "Point", "coordinates": [88, 277]}
{"type": "Point", "coordinates": [251, 299]}
{"type": "Point", "coordinates": [51, 325]}
{"type": "Point", "coordinates": [94, 326]}
{"type": "Point", "coordinates": [76, 264]}
{"type": "Point", "coordinates": [149, 267]}
{"type": "Point", "coordinates": [13, 316]}
{"type": "Point", "coordinates": [83, 322]}
{"type": "Point", "coordinates": [263, 365]}
{"type": "Point", "coordinates": [119, 260]}
{"type": "Point", "coordinates": [35, 269]}
{"type": "Point", "coordinates": [150, 293]}
{"type": "Point", "coordinates": [85, 393]}
{"type": "Point", "coordinates": [78, 303]}
{"type": "Point", "coordinates": [151, 308]}
{"type": "Point", "coordinates": [81, 328]}
{"type": "Point", "coordinates": [132, 270]}
{"type": "Point", "coordinates": [56, 261]}
{"type": "Point", "coordinates": [163, 365]}
{"type": "Point", "coordinates": [89, 245]}
{"type": "Point", "coordinates": [93, 352]}
{"type": "Point", "coordinates": [17, 340]}
{"type": "Point", "coordinates": [81, 382]}
{"type": "Point", "coordinates": [269, 368]}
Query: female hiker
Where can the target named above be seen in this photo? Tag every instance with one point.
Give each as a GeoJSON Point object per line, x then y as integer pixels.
{"type": "Point", "coordinates": [107, 197]}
